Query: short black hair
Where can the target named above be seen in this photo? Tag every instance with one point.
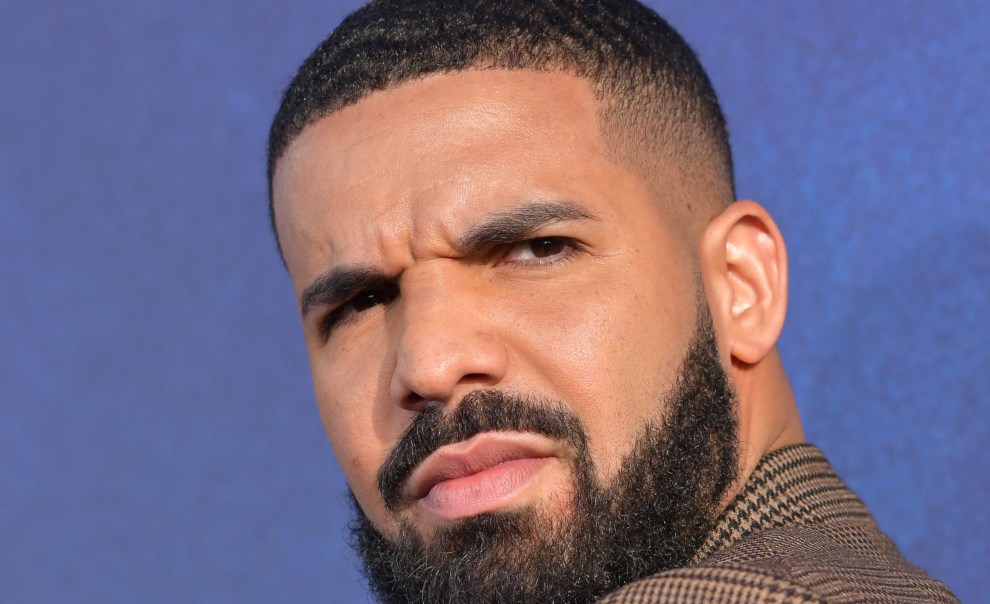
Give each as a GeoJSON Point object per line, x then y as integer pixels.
{"type": "Point", "coordinates": [656, 98]}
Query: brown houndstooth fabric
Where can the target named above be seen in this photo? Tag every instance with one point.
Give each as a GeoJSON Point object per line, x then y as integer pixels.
{"type": "Point", "coordinates": [795, 533]}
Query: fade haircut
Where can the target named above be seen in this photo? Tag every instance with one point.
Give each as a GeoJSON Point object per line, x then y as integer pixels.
{"type": "Point", "coordinates": [655, 100]}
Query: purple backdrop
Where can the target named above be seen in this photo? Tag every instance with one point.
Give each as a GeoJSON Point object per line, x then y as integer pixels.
{"type": "Point", "coordinates": [158, 439]}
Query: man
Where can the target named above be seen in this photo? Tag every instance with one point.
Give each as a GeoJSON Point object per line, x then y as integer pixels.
{"type": "Point", "coordinates": [542, 333]}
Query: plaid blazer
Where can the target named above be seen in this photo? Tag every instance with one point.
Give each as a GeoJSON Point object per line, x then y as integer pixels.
{"type": "Point", "coordinates": [795, 533]}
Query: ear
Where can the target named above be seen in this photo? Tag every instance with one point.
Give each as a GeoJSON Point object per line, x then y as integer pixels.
{"type": "Point", "coordinates": [744, 264]}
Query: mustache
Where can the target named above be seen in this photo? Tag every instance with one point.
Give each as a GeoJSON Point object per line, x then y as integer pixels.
{"type": "Point", "coordinates": [486, 410]}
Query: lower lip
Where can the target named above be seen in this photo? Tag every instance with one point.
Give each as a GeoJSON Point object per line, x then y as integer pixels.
{"type": "Point", "coordinates": [483, 491]}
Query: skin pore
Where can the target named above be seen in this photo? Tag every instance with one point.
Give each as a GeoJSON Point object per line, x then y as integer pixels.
{"type": "Point", "coordinates": [472, 231]}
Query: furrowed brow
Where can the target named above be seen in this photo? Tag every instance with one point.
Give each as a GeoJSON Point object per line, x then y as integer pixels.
{"type": "Point", "coordinates": [338, 284]}
{"type": "Point", "coordinates": [342, 282]}
{"type": "Point", "coordinates": [518, 223]}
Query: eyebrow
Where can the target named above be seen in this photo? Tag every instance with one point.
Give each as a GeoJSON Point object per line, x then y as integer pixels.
{"type": "Point", "coordinates": [518, 223]}
{"type": "Point", "coordinates": [340, 283]}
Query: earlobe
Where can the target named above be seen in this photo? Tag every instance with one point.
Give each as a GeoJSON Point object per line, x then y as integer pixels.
{"type": "Point", "coordinates": [745, 266]}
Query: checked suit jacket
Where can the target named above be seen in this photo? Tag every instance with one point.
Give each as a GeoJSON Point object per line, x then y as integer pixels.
{"type": "Point", "coordinates": [796, 533]}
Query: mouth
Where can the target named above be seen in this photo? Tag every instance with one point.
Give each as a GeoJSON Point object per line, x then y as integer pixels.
{"type": "Point", "coordinates": [488, 472]}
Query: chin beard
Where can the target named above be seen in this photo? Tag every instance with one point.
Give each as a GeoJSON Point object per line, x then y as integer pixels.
{"type": "Point", "coordinates": [652, 516]}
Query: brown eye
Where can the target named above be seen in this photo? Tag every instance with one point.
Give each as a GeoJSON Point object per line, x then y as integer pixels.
{"type": "Point", "coordinates": [548, 246]}
{"type": "Point", "coordinates": [545, 249]}
{"type": "Point", "coordinates": [367, 299]}
{"type": "Point", "coordinates": [361, 302]}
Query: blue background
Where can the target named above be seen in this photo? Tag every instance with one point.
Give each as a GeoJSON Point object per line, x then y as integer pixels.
{"type": "Point", "coordinates": [158, 438]}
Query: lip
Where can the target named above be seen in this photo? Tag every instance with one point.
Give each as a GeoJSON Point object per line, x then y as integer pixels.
{"type": "Point", "coordinates": [481, 473]}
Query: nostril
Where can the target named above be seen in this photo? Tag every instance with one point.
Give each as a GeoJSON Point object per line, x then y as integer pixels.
{"type": "Point", "coordinates": [415, 402]}
{"type": "Point", "coordinates": [471, 381]}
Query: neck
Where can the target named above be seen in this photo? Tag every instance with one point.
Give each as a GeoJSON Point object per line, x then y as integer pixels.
{"type": "Point", "coordinates": [768, 413]}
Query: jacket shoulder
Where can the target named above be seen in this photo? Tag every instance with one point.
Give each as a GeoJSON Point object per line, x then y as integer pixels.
{"type": "Point", "coordinates": [825, 563]}
{"type": "Point", "coordinates": [707, 584]}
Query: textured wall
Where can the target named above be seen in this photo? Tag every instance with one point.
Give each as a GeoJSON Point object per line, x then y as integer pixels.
{"type": "Point", "coordinates": [158, 439]}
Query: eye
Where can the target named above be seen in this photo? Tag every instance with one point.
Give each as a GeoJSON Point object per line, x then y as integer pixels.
{"type": "Point", "coordinates": [540, 250]}
{"type": "Point", "coordinates": [361, 302]}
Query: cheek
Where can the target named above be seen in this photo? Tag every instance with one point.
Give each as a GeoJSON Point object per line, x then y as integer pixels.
{"type": "Point", "coordinates": [361, 430]}
{"type": "Point", "coordinates": [610, 353]}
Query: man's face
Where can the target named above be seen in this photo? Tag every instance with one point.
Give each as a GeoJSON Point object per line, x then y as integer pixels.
{"type": "Point", "coordinates": [472, 232]}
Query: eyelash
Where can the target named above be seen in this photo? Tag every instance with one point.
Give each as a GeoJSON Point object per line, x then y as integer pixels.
{"type": "Point", "coordinates": [386, 293]}
{"type": "Point", "coordinates": [570, 247]}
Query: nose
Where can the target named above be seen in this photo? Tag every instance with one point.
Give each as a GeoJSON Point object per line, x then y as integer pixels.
{"type": "Point", "coordinates": [446, 345]}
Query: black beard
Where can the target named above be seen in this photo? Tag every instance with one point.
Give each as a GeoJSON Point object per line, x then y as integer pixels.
{"type": "Point", "coordinates": [653, 516]}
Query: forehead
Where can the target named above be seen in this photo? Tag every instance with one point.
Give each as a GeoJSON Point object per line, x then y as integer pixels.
{"type": "Point", "coordinates": [409, 166]}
